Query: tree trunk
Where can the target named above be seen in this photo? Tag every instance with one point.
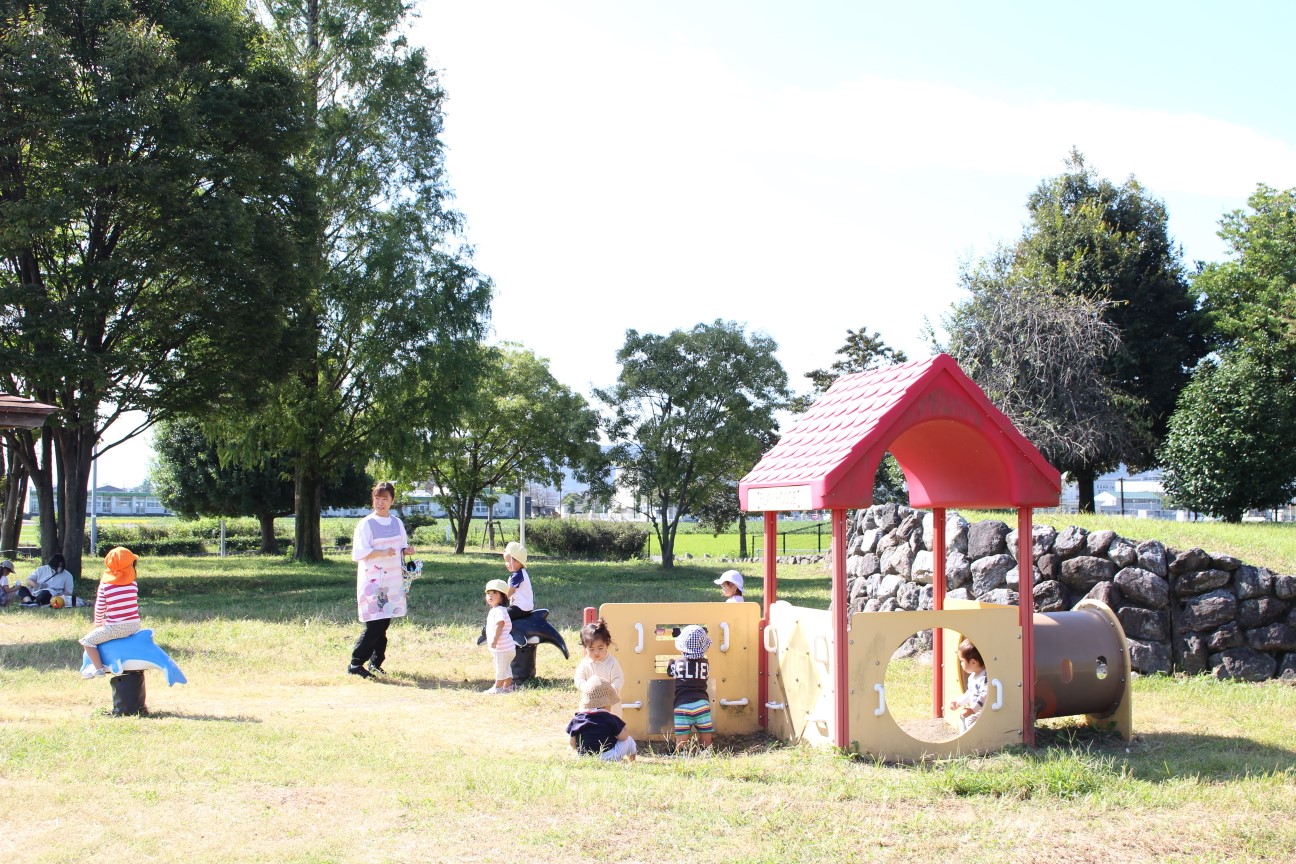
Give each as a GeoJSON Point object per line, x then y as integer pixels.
{"type": "Point", "coordinates": [742, 535]}
{"type": "Point", "coordinates": [15, 500]}
{"type": "Point", "coordinates": [1085, 487]}
{"type": "Point", "coordinates": [307, 547]}
{"type": "Point", "coordinates": [460, 521]}
{"type": "Point", "coordinates": [22, 443]}
{"type": "Point", "coordinates": [269, 546]}
{"type": "Point", "coordinates": [75, 448]}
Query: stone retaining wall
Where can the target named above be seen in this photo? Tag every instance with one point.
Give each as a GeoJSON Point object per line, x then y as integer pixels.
{"type": "Point", "coordinates": [1184, 611]}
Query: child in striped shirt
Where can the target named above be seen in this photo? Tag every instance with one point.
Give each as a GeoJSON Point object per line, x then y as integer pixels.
{"type": "Point", "coordinates": [116, 609]}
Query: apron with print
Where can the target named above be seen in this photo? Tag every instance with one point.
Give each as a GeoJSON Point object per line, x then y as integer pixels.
{"type": "Point", "coordinates": [380, 589]}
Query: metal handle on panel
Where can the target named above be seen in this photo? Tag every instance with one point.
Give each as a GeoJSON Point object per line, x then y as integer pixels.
{"type": "Point", "coordinates": [998, 685]}
{"type": "Point", "coordinates": [881, 709]}
{"type": "Point", "coordinates": [639, 647]}
{"type": "Point", "coordinates": [776, 706]}
{"type": "Point", "coordinates": [632, 704]}
{"type": "Point", "coordinates": [724, 641]}
{"type": "Point", "coordinates": [726, 702]}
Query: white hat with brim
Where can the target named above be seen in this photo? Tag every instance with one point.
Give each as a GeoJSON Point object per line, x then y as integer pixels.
{"type": "Point", "coordinates": [517, 552]}
{"type": "Point", "coordinates": [731, 576]}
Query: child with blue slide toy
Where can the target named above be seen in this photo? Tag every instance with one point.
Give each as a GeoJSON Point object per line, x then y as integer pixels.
{"type": "Point", "coordinates": [116, 609]}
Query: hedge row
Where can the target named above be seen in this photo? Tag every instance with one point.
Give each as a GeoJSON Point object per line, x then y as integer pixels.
{"type": "Point", "coordinates": [576, 538]}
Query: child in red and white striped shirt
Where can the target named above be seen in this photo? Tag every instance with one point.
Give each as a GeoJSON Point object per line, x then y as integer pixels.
{"type": "Point", "coordinates": [116, 610]}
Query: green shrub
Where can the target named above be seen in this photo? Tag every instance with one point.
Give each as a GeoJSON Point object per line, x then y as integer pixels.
{"type": "Point", "coordinates": [576, 538]}
{"type": "Point", "coordinates": [145, 548]}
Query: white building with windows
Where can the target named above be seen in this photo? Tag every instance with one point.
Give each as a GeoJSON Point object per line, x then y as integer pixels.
{"type": "Point", "coordinates": [111, 501]}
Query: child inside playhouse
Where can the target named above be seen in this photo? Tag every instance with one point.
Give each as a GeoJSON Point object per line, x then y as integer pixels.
{"type": "Point", "coordinates": [973, 699]}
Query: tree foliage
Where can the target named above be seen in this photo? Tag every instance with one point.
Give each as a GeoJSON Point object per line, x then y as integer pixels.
{"type": "Point", "coordinates": [1252, 298]}
{"type": "Point", "coordinates": [1230, 447]}
{"type": "Point", "coordinates": [520, 425]}
{"type": "Point", "coordinates": [144, 161]}
{"type": "Point", "coordinates": [690, 412]}
{"type": "Point", "coordinates": [1093, 253]}
{"type": "Point", "coordinates": [191, 481]}
{"type": "Point", "coordinates": [395, 308]}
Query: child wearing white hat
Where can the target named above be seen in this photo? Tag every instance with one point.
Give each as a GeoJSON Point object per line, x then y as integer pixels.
{"type": "Point", "coordinates": [520, 596]}
{"type": "Point", "coordinates": [731, 585]}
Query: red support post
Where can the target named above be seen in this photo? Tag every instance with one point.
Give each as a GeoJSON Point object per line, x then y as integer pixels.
{"type": "Point", "coordinates": [938, 603]}
{"type": "Point", "coordinates": [591, 615]}
{"type": "Point", "coordinates": [770, 595]}
{"type": "Point", "coordinates": [1026, 606]}
{"type": "Point", "coordinates": [841, 686]}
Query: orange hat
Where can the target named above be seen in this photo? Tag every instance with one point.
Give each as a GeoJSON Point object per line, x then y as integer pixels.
{"type": "Point", "coordinates": [119, 566]}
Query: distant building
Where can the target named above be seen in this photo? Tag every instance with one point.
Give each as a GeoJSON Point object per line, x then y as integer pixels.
{"type": "Point", "coordinates": [111, 501]}
{"type": "Point", "coordinates": [422, 501]}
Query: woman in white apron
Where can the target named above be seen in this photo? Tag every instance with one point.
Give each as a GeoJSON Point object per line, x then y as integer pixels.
{"type": "Point", "coordinates": [378, 548]}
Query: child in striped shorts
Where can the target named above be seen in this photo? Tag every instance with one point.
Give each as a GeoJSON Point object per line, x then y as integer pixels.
{"type": "Point", "coordinates": [116, 609]}
{"type": "Point", "coordinates": [691, 673]}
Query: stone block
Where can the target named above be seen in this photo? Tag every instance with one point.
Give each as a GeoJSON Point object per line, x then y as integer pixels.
{"type": "Point", "coordinates": [990, 573]}
{"type": "Point", "coordinates": [1191, 559]}
{"type": "Point", "coordinates": [1149, 658]}
{"type": "Point", "coordinates": [1220, 561]}
{"type": "Point", "coordinates": [1070, 542]}
{"type": "Point", "coordinates": [958, 570]}
{"type": "Point", "coordinates": [1259, 611]}
{"type": "Point", "coordinates": [923, 567]}
{"type": "Point", "coordinates": [1123, 554]}
{"type": "Point", "coordinates": [1251, 582]}
{"type": "Point", "coordinates": [1190, 653]}
{"type": "Point", "coordinates": [1224, 637]}
{"type": "Point", "coordinates": [1085, 571]}
{"type": "Point", "coordinates": [1139, 623]}
{"type": "Point", "coordinates": [1274, 638]}
{"type": "Point", "coordinates": [1143, 588]}
{"type": "Point", "coordinates": [1098, 542]}
{"type": "Point", "coordinates": [1108, 593]}
{"type": "Point", "coordinates": [986, 538]}
{"type": "Point", "coordinates": [1152, 557]}
{"type": "Point", "coordinates": [1242, 664]}
{"type": "Point", "coordinates": [1206, 612]}
{"type": "Point", "coordinates": [1050, 596]}
{"type": "Point", "coordinates": [1284, 587]}
{"type": "Point", "coordinates": [1199, 581]}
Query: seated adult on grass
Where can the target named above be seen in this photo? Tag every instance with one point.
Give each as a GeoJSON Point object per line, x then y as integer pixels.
{"type": "Point", "coordinates": [46, 582]}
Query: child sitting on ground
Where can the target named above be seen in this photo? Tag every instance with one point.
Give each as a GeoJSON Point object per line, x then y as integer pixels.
{"type": "Point", "coordinates": [731, 584]}
{"type": "Point", "coordinates": [595, 731]}
{"type": "Point", "coordinates": [598, 662]}
{"type": "Point", "coordinates": [499, 636]}
{"type": "Point", "coordinates": [973, 699]}
{"type": "Point", "coordinates": [116, 609]}
{"type": "Point", "coordinates": [691, 673]}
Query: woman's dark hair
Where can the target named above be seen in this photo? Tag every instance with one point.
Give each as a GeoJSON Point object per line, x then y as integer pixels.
{"type": "Point", "coordinates": [968, 651]}
{"type": "Point", "coordinates": [385, 486]}
{"type": "Point", "coordinates": [57, 561]}
{"type": "Point", "coordinates": [595, 630]}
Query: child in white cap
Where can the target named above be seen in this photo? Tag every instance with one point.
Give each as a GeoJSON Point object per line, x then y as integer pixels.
{"type": "Point", "coordinates": [521, 598]}
{"type": "Point", "coordinates": [6, 590]}
{"type": "Point", "coordinates": [731, 584]}
{"type": "Point", "coordinates": [596, 731]}
{"type": "Point", "coordinates": [499, 636]}
{"type": "Point", "coordinates": [692, 699]}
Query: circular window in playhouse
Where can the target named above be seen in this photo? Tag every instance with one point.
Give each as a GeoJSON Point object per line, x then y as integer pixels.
{"type": "Point", "coordinates": [908, 689]}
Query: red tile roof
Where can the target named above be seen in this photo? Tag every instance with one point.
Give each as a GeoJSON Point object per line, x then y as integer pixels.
{"type": "Point", "coordinates": [956, 448]}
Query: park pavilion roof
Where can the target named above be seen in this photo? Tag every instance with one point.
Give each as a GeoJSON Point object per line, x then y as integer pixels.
{"type": "Point", "coordinates": [955, 447]}
{"type": "Point", "coordinates": [17, 412]}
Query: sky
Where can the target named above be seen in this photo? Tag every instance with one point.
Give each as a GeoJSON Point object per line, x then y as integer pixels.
{"type": "Point", "coordinates": [809, 168]}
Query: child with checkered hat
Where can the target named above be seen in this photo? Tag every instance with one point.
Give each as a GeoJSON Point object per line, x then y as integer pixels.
{"type": "Point", "coordinates": [596, 731]}
{"type": "Point", "coordinates": [692, 673]}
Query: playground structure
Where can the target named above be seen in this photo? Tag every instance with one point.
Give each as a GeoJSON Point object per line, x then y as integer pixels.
{"type": "Point", "coordinates": [820, 675]}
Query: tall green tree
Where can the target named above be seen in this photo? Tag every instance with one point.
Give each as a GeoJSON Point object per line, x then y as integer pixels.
{"type": "Point", "coordinates": [1231, 446]}
{"type": "Point", "coordinates": [1093, 246]}
{"type": "Point", "coordinates": [520, 425]}
{"type": "Point", "coordinates": [144, 162]}
{"type": "Point", "coordinates": [395, 309]}
{"type": "Point", "coordinates": [690, 412]}
{"type": "Point", "coordinates": [190, 479]}
{"type": "Point", "coordinates": [1252, 298]}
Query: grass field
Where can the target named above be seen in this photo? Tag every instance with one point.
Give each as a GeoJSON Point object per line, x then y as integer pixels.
{"type": "Point", "coordinates": [272, 754]}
